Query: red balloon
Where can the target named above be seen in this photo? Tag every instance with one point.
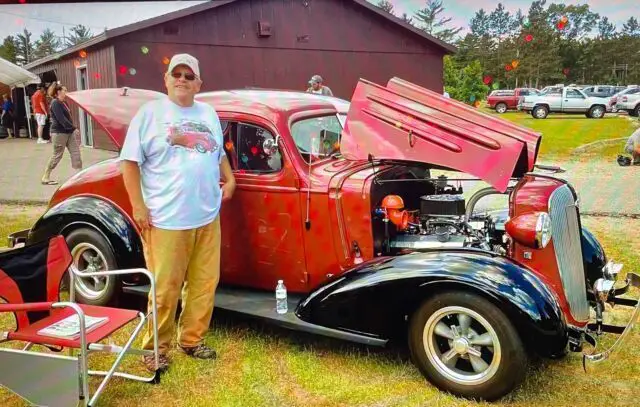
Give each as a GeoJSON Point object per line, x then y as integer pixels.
{"type": "Point", "coordinates": [487, 80]}
{"type": "Point", "coordinates": [97, 75]}
{"type": "Point", "coordinates": [566, 71]}
{"type": "Point", "coordinates": [560, 25]}
{"type": "Point", "coordinates": [528, 38]}
{"type": "Point", "coordinates": [122, 69]}
{"type": "Point", "coordinates": [254, 150]}
{"type": "Point", "coordinates": [508, 67]}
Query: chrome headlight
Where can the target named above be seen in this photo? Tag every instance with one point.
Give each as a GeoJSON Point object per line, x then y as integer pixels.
{"type": "Point", "coordinates": [543, 230]}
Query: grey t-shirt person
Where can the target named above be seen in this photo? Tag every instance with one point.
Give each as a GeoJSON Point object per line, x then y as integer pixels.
{"type": "Point", "coordinates": [633, 142]}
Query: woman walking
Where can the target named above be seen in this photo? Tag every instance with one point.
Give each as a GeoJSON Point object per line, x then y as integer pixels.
{"type": "Point", "coordinates": [7, 115]}
{"type": "Point", "coordinates": [63, 133]}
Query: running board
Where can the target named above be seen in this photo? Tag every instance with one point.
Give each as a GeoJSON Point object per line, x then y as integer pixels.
{"type": "Point", "coordinates": [262, 305]}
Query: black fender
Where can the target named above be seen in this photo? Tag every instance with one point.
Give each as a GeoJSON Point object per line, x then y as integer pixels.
{"type": "Point", "coordinates": [377, 298]}
{"type": "Point", "coordinates": [98, 214]}
{"type": "Point", "coordinates": [593, 258]}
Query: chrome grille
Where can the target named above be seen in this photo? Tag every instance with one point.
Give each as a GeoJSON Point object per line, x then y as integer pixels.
{"type": "Point", "coordinates": [565, 232]}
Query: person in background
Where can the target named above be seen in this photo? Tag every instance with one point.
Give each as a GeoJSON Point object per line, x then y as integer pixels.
{"type": "Point", "coordinates": [41, 110]}
{"type": "Point", "coordinates": [174, 190]}
{"type": "Point", "coordinates": [7, 115]}
{"type": "Point", "coordinates": [317, 86]}
{"type": "Point", "coordinates": [633, 146]}
{"type": "Point", "coordinates": [63, 133]}
{"type": "Point", "coordinates": [445, 93]}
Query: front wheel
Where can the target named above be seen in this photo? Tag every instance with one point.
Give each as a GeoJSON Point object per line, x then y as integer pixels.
{"type": "Point", "coordinates": [540, 112]}
{"type": "Point", "coordinates": [92, 252]}
{"type": "Point", "coordinates": [596, 112]}
{"type": "Point", "coordinates": [467, 346]}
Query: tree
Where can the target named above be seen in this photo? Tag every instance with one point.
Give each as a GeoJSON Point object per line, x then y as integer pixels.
{"type": "Point", "coordinates": [79, 34]}
{"type": "Point", "coordinates": [406, 18]}
{"type": "Point", "coordinates": [432, 24]}
{"type": "Point", "coordinates": [8, 49]}
{"type": "Point", "coordinates": [464, 85]}
{"type": "Point", "coordinates": [24, 48]}
{"type": "Point", "coordinates": [606, 29]}
{"type": "Point", "coordinates": [47, 44]}
{"type": "Point", "coordinates": [631, 27]}
{"type": "Point", "coordinates": [386, 6]}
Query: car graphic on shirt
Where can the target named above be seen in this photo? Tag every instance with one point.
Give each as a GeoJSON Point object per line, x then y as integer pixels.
{"type": "Point", "coordinates": [193, 136]}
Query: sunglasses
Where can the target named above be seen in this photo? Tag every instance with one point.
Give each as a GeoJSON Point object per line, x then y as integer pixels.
{"type": "Point", "coordinates": [187, 76]}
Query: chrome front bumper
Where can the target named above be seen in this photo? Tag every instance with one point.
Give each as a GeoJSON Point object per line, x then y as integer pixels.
{"type": "Point", "coordinates": [633, 280]}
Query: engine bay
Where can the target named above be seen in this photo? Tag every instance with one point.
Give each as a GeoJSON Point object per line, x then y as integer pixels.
{"type": "Point", "coordinates": [433, 214]}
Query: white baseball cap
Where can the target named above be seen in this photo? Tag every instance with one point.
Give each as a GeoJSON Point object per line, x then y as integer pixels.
{"type": "Point", "coordinates": [184, 59]}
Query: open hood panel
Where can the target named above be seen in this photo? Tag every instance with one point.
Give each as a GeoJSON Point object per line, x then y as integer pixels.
{"type": "Point", "coordinates": [113, 109]}
{"type": "Point", "coordinates": [403, 121]}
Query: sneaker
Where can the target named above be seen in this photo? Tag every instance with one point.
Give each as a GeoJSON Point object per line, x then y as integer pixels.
{"type": "Point", "coordinates": [200, 352]}
{"type": "Point", "coordinates": [150, 363]}
{"type": "Point", "coordinates": [41, 141]}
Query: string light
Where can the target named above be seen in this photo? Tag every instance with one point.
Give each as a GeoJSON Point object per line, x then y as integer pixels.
{"type": "Point", "coordinates": [132, 71]}
{"type": "Point", "coordinates": [166, 60]}
{"type": "Point", "coordinates": [122, 69]}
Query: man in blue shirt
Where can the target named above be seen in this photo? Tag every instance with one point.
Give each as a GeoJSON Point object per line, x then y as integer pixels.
{"type": "Point", "coordinates": [172, 160]}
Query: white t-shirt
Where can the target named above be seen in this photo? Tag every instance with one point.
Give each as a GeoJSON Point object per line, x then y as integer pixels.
{"type": "Point", "coordinates": [179, 151]}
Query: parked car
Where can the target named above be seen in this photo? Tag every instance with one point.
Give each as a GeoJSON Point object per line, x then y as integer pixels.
{"type": "Point", "coordinates": [602, 91]}
{"type": "Point", "coordinates": [629, 101]}
{"type": "Point", "coordinates": [371, 247]}
{"type": "Point", "coordinates": [503, 100]}
{"type": "Point", "coordinates": [564, 100]}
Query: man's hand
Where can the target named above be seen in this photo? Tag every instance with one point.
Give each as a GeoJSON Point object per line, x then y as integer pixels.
{"type": "Point", "coordinates": [227, 190]}
{"type": "Point", "coordinates": [142, 217]}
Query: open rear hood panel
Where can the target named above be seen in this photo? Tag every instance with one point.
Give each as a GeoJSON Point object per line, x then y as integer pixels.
{"type": "Point", "coordinates": [403, 121]}
{"type": "Point", "coordinates": [112, 108]}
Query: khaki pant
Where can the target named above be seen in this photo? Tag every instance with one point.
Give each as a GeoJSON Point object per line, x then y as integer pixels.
{"type": "Point", "coordinates": [175, 257]}
{"type": "Point", "coordinates": [61, 141]}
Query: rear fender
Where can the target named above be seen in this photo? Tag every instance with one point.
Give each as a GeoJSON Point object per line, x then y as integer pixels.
{"type": "Point", "coordinates": [98, 214]}
{"type": "Point", "coordinates": [378, 298]}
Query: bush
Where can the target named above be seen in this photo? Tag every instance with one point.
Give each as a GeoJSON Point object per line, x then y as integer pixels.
{"type": "Point", "coordinates": [464, 84]}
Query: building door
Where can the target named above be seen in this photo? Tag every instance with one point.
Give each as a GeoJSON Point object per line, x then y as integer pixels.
{"type": "Point", "coordinates": [86, 126]}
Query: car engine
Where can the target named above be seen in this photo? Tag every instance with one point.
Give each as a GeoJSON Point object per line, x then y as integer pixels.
{"type": "Point", "coordinates": [440, 221]}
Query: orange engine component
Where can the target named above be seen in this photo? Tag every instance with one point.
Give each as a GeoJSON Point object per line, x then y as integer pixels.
{"type": "Point", "coordinates": [393, 205]}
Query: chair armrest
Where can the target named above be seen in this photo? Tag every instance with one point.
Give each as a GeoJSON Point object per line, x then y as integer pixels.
{"type": "Point", "coordinates": [32, 306]}
{"type": "Point", "coordinates": [113, 273]}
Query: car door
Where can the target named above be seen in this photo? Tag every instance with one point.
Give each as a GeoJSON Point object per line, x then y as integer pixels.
{"type": "Point", "coordinates": [573, 101]}
{"type": "Point", "coordinates": [261, 225]}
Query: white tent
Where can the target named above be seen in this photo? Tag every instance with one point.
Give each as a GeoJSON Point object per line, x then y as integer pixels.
{"type": "Point", "coordinates": [14, 76]}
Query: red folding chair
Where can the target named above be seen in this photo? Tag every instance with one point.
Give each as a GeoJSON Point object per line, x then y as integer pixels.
{"type": "Point", "coordinates": [30, 280]}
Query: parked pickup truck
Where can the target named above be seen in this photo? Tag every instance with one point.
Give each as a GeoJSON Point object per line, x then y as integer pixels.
{"type": "Point", "coordinates": [565, 100]}
{"type": "Point", "coordinates": [503, 100]}
{"type": "Point", "coordinates": [629, 101]}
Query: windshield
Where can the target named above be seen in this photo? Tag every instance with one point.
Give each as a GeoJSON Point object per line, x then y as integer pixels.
{"type": "Point", "coordinates": [317, 137]}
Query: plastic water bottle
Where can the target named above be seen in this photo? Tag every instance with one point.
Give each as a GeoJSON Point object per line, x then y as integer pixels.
{"type": "Point", "coordinates": [281, 298]}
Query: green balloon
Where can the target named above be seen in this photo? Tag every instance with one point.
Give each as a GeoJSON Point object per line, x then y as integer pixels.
{"type": "Point", "coordinates": [496, 85]}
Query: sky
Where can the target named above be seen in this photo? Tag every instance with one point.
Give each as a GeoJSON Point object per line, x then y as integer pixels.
{"type": "Point", "coordinates": [98, 16]}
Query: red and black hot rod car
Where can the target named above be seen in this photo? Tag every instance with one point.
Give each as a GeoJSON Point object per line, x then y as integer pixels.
{"type": "Point", "coordinates": [371, 247]}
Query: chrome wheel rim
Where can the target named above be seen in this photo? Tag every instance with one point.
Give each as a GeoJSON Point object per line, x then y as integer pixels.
{"type": "Point", "coordinates": [87, 258]}
{"type": "Point", "coordinates": [462, 345]}
{"type": "Point", "coordinates": [597, 112]}
{"type": "Point", "coordinates": [502, 109]}
{"type": "Point", "coordinates": [540, 113]}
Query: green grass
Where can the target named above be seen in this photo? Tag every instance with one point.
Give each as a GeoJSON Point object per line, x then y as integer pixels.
{"type": "Point", "coordinates": [259, 365]}
{"type": "Point", "coordinates": [562, 134]}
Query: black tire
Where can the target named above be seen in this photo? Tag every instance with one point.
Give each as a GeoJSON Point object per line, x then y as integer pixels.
{"type": "Point", "coordinates": [506, 361]}
{"type": "Point", "coordinates": [90, 249]}
{"type": "Point", "coordinates": [636, 111]}
{"type": "Point", "coordinates": [540, 112]}
{"type": "Point", "coordinates": [597, 112]}
{"type": "Point", "coordinates": [501, 108]}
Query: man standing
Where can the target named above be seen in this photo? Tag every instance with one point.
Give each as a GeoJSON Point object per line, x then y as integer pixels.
{"type": "Point", "coordinates": [633, 146]}
{"type": "Point", "coordinates": [174, 188]}
{"type": "Point", "coordinates": [39, 103]}
{"type": "Point", "coordinates": [317, 87]}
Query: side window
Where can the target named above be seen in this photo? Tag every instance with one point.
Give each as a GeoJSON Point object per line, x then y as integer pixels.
{"type": "Point", "coordinates": [251, 148]}
{"type": "Point", "coordinates": [574, 94]}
